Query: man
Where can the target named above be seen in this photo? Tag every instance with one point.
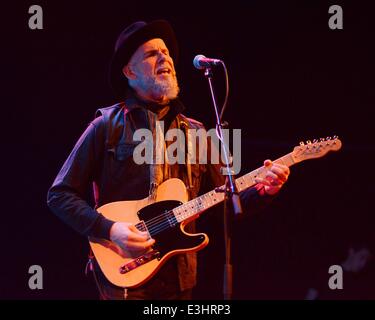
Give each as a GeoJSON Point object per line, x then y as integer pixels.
{"type": "Point", "coordinates": [142, 72]}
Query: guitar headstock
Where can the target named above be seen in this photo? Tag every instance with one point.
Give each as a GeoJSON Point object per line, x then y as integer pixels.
{"type": "Point", "coordinates": [316, 148]}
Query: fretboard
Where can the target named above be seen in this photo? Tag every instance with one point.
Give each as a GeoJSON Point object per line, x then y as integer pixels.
{"type": "Point", "coordinates": [209, 199]}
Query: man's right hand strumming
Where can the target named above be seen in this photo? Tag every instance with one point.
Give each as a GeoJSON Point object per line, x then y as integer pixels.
{"type": "Point", "coordinates": [131, 240]}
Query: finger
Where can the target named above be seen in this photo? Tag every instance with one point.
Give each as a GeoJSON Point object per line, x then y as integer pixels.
{"type": "Point", "coordinates": [134, 245]}
{"type": "Point", "coordinates": [285, 169]}
{"type": "Point", "coordinates": [273, 180]}
{"type": "Point", "coordinates": [263, 181]}
{"type": "Point", "coordinates": [276, 183]}
{"type": "Point", "coordinates": [133, 228]}
{"type": "Point", "coordinates": [271, 176]}
{"type": "Point", "coordinates": [132, 236]}
{"type": "Point", "coordinates": [150, 242]}
{"type": "Point", "coordinates": [147, 244]}
{"type": "Point", "coordinates": [280, 174]}
{"type": "Point", "coordinates": [267, 163]}
{"type": "Point", "coordinates": [137, 231]}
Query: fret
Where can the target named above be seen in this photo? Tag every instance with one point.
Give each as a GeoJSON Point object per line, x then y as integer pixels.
{"type": "Point", "coordinates": [177, 211]}
{"type": "Point", "coordinates": [171, 219]}
{"type": "Point", "coordinates": [197, 205]}
{"type": "Point", "coordinates": [281, 161]}
{"type": "Point", "coordinates": [248, 180]}
{"type": "Point", "coordinates": [286, 160]}
{"type": "Point", "coordinates": [261, 172]}
{"type": "Point", "coordinates": [182, 213]}
{"type": "Point", "coordinates": [207, 199]}
{"type": "Point", "coordinates": [201, 203]}
{"type": "Point", "coordinates": [218, 197]}
{"type": "Point", "coordinates": [241, 184]}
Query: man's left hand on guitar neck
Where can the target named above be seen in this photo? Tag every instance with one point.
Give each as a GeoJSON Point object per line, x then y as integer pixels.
{"type": "Point", "coordinates": [276, 176]}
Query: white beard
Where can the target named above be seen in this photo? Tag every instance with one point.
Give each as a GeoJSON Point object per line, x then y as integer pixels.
{"type": "Point", "coordinates": [156, 87]}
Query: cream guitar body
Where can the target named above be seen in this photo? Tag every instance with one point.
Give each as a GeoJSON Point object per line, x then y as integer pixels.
{"type": "Point", "coordinates": [128, 271]}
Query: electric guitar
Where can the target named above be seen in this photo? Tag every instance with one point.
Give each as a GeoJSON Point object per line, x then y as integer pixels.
{"type": "Point", "coordinates": [165, 217]}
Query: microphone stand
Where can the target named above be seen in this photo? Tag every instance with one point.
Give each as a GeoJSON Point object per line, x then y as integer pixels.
{"type": "Point", "coordinates": [230, 193]}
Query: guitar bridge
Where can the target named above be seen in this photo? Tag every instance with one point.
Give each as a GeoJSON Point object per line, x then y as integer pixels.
{"type": "Point", "coordinates": [154, 254]}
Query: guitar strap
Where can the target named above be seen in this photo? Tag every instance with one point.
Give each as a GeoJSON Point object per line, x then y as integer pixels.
{"type": "Point", "coordinates": [159, 168]}
{"type": "Point", "coordinates": [188, 149]}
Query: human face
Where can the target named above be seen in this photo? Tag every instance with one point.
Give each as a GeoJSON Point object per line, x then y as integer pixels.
{"type": "Point", "coordinates": [151, 72]}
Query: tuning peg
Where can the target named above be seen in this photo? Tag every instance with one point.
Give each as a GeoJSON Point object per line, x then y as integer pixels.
{"type": "Point", "coordinates": [335, 137]}
{"type": "Point", "coordinates": [308, 142]}
{"type": "Point", "coordinates": [301, 143]}
{"type": "Point", "coordinates": [328, 138]}
{"type": "Point", "coordinates": [315, 140]}
{"type": "Point", "coordinates": [321, 139]}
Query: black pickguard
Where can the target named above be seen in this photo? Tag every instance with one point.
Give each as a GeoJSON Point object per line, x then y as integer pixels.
{"type": "Point", "coordinates": [172, 238]}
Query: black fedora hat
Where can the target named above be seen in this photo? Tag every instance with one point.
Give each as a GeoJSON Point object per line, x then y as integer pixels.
{"type": "Point", "coordinates": [128, 42]}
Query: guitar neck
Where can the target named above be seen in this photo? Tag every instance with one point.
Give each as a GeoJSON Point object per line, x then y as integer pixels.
{"type": "Point", "coordinates": [209, 199]}
{"type": "Point", "coordinates": [248, 180]}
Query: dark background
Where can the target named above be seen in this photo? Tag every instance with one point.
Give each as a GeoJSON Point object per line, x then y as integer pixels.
{"type": "Point", "coordinates": [291, 79]}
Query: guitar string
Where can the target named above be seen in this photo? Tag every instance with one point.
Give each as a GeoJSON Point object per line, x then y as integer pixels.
{"type": "Point", "coordinates": [161, 220]}
{"type": "Point", "coordinates": [158, 227]}
{"type": "Point", "coordinates": [159, 223]}
{"type": "Point", "coordinates": [163, 226]}
{"type": "Point", "coordinates": [152, 223]}
{"type": "Point", "coordinates": [155, 221]}
{"type": "Point", "coordinates": [155, 228]}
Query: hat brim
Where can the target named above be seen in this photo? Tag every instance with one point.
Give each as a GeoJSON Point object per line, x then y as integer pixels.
{"type": "Point", "coordinates": [155, 29]}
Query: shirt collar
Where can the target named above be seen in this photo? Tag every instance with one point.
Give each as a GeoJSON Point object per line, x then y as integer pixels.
{"type": "Point", "coordinates": [133, 102]}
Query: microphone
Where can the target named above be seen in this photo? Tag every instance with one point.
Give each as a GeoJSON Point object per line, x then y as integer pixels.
{"type": "Point", "coordinates": [201, 62]}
